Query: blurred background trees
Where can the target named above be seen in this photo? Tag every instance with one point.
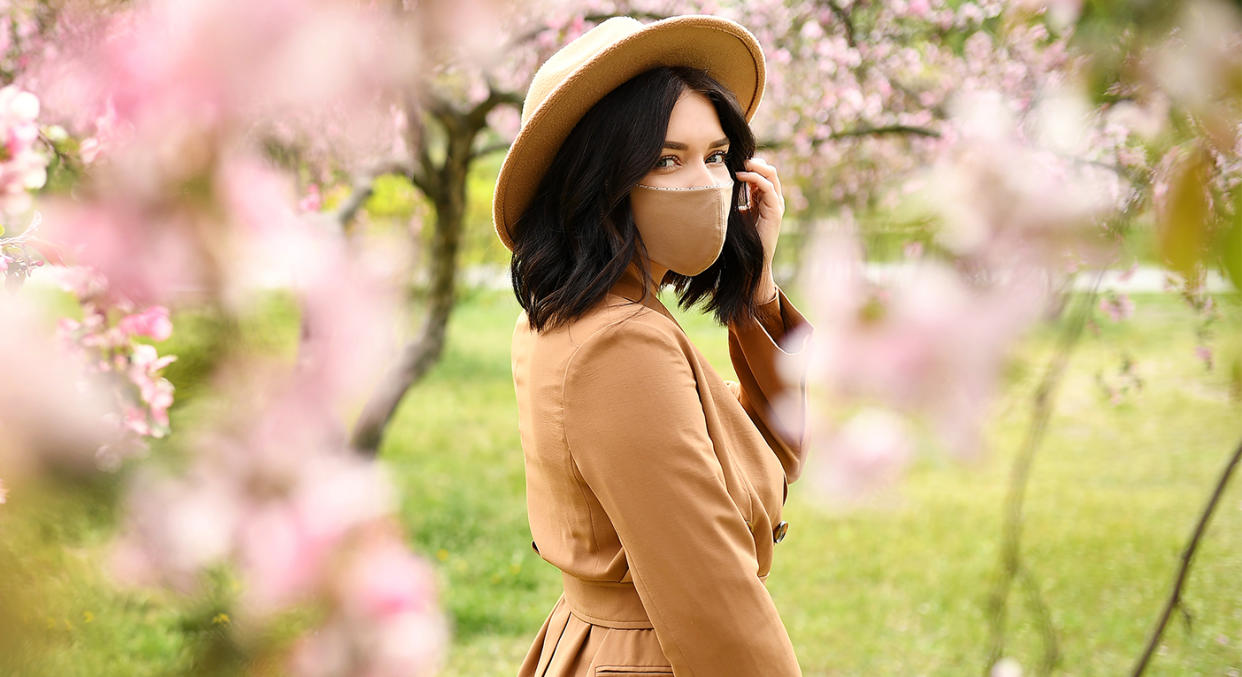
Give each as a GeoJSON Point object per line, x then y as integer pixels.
{"type": "Point", "coordinates": [959, 174]}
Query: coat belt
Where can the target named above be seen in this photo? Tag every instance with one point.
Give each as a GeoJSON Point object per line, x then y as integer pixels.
{"type": "Point", "coordinates": [607, 603]}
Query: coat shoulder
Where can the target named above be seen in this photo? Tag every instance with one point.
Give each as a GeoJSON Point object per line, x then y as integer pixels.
{"type": "Point", "coordinates": [613, 318]}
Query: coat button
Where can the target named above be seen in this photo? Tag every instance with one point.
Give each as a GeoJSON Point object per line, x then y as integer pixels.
{"type": "Point", "coordinates": [778, 533]}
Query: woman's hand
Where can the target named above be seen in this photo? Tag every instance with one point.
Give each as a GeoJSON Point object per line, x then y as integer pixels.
{"type": "Point", "coordinates": [767, 207]}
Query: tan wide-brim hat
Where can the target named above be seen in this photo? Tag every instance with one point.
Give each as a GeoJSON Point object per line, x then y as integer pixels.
{"type": "Point", "coordinates": [597, 62]}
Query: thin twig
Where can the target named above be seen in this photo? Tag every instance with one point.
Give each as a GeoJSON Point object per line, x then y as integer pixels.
{"type": "Point", "coordinates": [1020, 474]}
{"type": "Point", "coordinates": [497, 147]}
{"type": "Point", "coordinates": [846, 20]}
{"type": "Point", "coordinates": [1175, 597]}
{"type": "Point", "coordinates": [865, 130]}
{"type": "Point", "coordinates": [25, 234]}
{"type": "Point", "coordinates": [884, 130]}
{"type": "Point", "coordinates": [1052, 650]}
{"type": "Point", "coordinates": [362, 188]}
{"type": "Point", "coordinates": [1041, 412]}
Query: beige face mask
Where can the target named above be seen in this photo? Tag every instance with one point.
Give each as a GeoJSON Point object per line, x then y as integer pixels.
{"type": "Point", "coordinates": [683, 228]}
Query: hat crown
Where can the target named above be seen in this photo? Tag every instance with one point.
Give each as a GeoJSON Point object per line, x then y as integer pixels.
{"type": "Point", "coordinates": [573, 56]}
{"type": "Point", "coordinates": [584, 71]}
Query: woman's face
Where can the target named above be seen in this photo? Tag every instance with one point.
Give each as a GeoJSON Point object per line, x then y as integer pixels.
{"type": "Point", "coordinates": [695, 147]}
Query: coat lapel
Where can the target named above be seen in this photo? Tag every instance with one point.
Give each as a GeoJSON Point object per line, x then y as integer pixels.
{"type": "Point", "coordinates": [630, 286]}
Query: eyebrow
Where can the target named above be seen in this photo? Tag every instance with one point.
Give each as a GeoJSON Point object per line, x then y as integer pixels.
{"type": "Point", "coordinates": [681, 146]}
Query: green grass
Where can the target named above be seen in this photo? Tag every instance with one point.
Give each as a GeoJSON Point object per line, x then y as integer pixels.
{"type": "Point", "coordinates": [897, 587]}
{"type": "Point", "coordinates": [894, 587]}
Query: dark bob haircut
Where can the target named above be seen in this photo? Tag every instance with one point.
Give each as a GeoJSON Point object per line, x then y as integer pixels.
{"type": "Point", "coordinates": [577, 236]}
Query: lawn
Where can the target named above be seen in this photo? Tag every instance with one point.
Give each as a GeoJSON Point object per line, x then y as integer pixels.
{"type": "Point", "coordinates": [897, 587]}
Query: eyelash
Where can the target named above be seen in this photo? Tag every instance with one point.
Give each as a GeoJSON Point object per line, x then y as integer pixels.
{"type": "Point", "coordinates": [722, 153]}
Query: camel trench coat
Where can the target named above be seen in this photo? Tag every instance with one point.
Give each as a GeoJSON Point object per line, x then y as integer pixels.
{"type": "Point", "coordinates": [656, 488]}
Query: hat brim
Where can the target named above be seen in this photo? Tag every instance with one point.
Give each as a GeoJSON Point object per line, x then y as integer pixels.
{"type": "Point", "coordinates": [728, 52]}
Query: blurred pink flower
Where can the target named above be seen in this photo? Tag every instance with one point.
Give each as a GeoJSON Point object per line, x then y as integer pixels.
{"type": "Point", "coordinates": [152, 322]}
{"type": "Point", "coordinates": [1204, 352]}
{"type": "Point", "coordinates": [1117, 306]}
{"type": "Point", "coordinates": [865, 454]}
{"type": "Point", "coordinates": [312, 201]}
{"type": "Point", "coordinates": [148, 253]}
{"type": "Point", "coordinates": [285, 547]}
{"type": "Point", "coordinates": [155, 391]}
{"type": "Point", "coordinates": [101, 348]}
{"type": "Point", "coordinates": [930, 342]}
{"type": "Point", "coordinates": [23, 167]}
{"type": "Point", "coordinates": [386, 620]}
{"type": "Point", "coordinates": [385, 579]}
{"type": "Point", "coordinates": [173, 528]}
{"type": "Point", "coordinates": [52, 410]}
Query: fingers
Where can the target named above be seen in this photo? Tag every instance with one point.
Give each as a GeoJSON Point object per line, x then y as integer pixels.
{"type": "Point", "coordinates": [766, 169]}
{"type": "Point", "coordinates": [758, 181]}
{"type": "Point", "coordinates": [762, 189]}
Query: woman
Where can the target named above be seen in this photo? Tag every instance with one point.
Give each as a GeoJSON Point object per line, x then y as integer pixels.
{"type": "Point", "coordinates": [654, 485]}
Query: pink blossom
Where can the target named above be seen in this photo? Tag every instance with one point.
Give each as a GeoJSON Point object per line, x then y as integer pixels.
{"type": "Point", "coordinates": [866, 453]}
{"type": "Point", "coordinates": [1117, 306]}
{"type": "Point", "coordinates": [173, 528]}
{"type": "Point", "coordinates": [385, 579]}
{"type": "Point", "coordinates": [136, 420]}
{"type": "Point", "coordinates": [312, 201]}
{"type": "Point", "coordinates": [23, 167]}
{"type": "Point", "coordinates": [1204, 352]}
{"type": "Point", "coordinates": [927, 342]}
{"type": "Point", "coordinates": [52, 410]}
{"type": "Point", "coordinates": [102, 348]}
{"type": "Point", "coordinates": [114, 237]}
{"type": "Point", "coordinates": [386, 621]}
{"type": "Point", "coordinates": [152, 322]}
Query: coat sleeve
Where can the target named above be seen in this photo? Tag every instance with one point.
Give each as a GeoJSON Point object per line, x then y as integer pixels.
{"type": "Point", "coordinates": [636, 431]}
{"type": "Point", "coordinates": [769, 356]}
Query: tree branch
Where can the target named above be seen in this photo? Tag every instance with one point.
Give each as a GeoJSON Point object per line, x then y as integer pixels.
{"type": "Point", "coordinates": [363, 187]}
{"type": "Point", "coordinates": [1135, 179]}
{"type": "Point", "coordinates": [593, 18]}
{"type": "Point", "coordinates": [490, 148]}
{"type": "Point", "coordinates": [476, 119]}
{"type": "Point", "coordinates": [1011, 563]}
{"type": "Point", "coordinates": [883, 130]}
{"type": "Point", "coordinates": [423, 171]}
{"type": "Point", "coordinates": [846, 20]}
{"type": "Point", "coordinates": [1043, 615]}
{"type": "Point", "coordinates": [1175, 596]}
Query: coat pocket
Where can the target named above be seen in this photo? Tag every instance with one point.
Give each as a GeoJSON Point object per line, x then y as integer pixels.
{"type": "Point", "coordinates": [633, 670]}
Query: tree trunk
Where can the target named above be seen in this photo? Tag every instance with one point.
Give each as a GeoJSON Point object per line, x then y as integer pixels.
{"type": "Point", "coordinates": [420, 354]}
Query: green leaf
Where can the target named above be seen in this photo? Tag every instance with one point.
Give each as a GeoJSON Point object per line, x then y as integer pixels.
{"type": "Point", "coordinates": [1183, 224]}
{"type": "Point", "coordinates": [1230, 245]}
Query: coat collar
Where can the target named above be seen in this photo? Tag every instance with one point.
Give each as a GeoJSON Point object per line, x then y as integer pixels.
{"type": "Point", "coordinates": [630, 286]}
